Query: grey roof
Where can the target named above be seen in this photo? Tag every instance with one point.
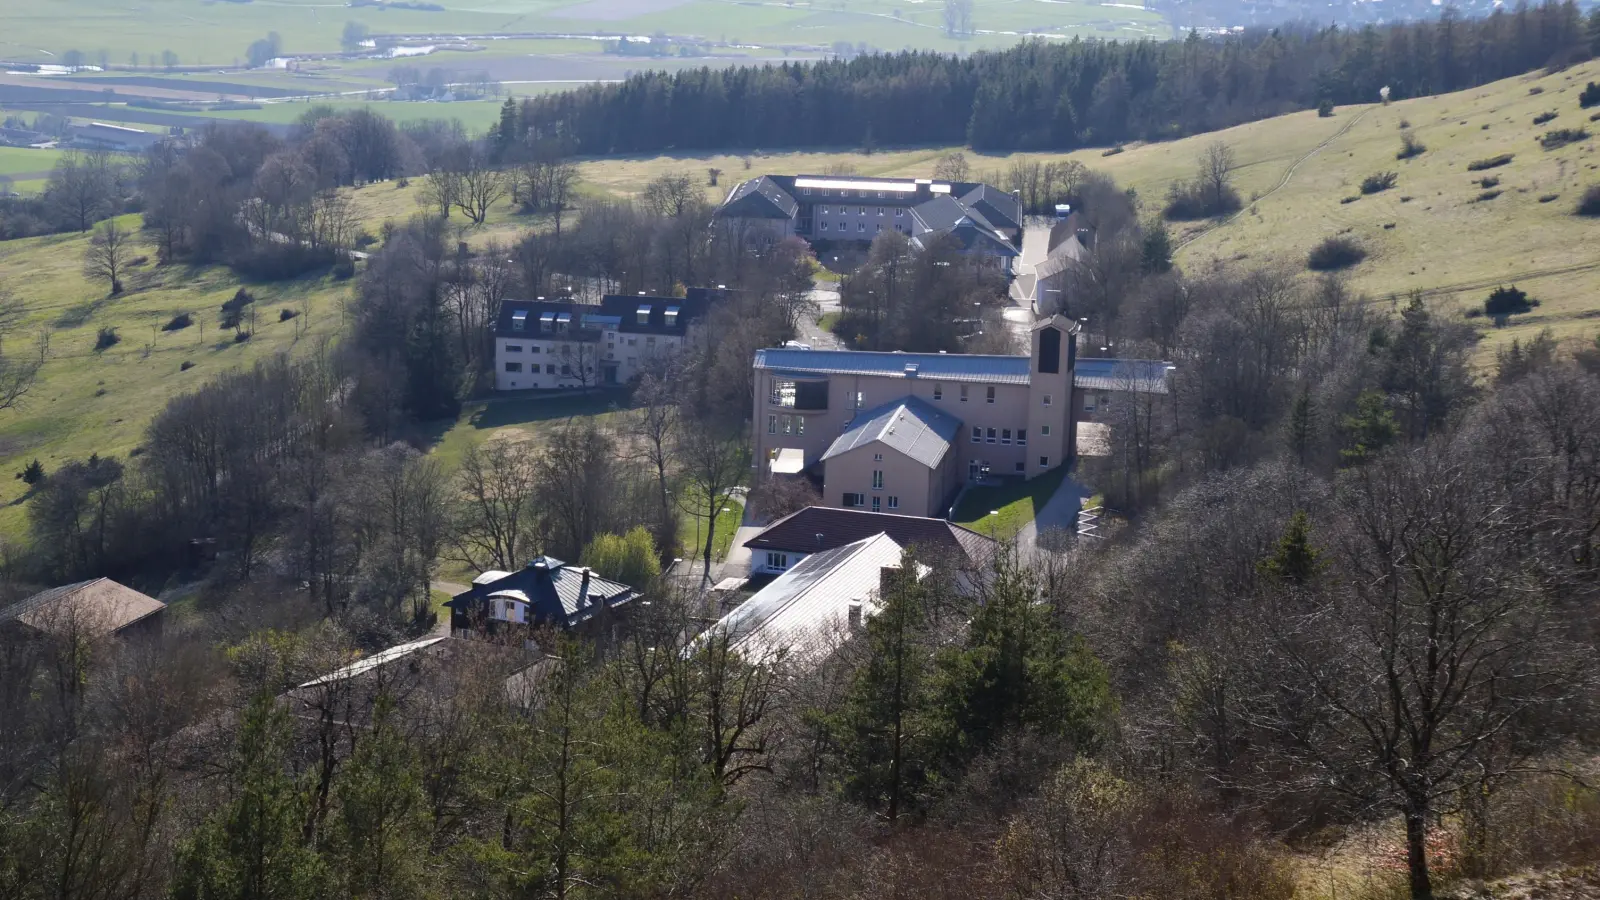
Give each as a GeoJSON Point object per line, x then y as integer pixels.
{"type": "Point", "coordinates": [557, 594]}
{"type": "Point", "coordinates": [759, 198]}
{"type": "Point", "coordinates": [999, 207]}
{"type": "Point", "coordinates": [941, 213]}
{"type": "Point", "coordinates": [911, 426]}
{"type": "Point", "coordinates": [803, 612]}
{"type": "Point", "coordinates": [1145, 376]}
{"type": "Point", "coordinates": [968, 367]}
{"type": "Point", "coordinates": [1065, 255]}
{"type": "Point", "coordinates": [818, 528]}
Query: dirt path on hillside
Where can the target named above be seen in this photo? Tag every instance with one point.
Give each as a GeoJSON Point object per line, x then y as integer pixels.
{"type": "Point", "coordinates": [1282, 182]}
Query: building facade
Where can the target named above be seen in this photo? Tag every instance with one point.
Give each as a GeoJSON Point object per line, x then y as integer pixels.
{"type": "Point", "coordinates": [544, 344]}
{"type": "Point", "coordinates": [986, 221]}
{"type": "Point", "coordinates": [903, 432]}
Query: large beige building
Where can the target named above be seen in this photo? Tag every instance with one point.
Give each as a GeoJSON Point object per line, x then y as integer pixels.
{"type": "Point", "coordinates": [903, 432]}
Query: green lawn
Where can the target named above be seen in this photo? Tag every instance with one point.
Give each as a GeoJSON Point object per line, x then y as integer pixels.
{"type": "Point", "coordinates": [1015, 503]}
{"type": "Point", "coordinates": [474, 115]}
{"type": "Point", "coordinates": [692, 532]}
{"type": "Point", "coordinates": [16, 161]}
{"type": "Point", "coordinates": [524, 416]}
{"type": "Point", "coordinates": [89, 401]}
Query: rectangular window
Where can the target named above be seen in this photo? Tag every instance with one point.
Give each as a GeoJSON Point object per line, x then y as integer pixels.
{"type": "Point", "coordinates": [550, 369]}
{"type": "Point", "coordinates": [535, 349]}
{"type": "Point", "coordinates": [808, 192]}
{"type": "Point", "coordinates": [860, 400]}
{"type": "Point", "coordinates": [1022, 467]}
{"type": "Point", "coordinates": [861, 226]}
{"type": "Point", "coordinates": [823, 210]}
{"type": "Point", "coordinates": [877, 479]}
{"type": "Point", "coordinates": [513, 348]}
{"type": "Point", "coordinates": [988, 394]}
{"type": "Point", "coordinates": [877, 457]}
{"type": "Point", "coordinates": [566, 369]}
{"type": "Point", "coordinates": [772, 424]}
{"type": "Point", "coordinates": [938, 392]}
{"type": "Point", "coordinates": [862, 211]}
{"type": "Point", "coordinates": [1046, 399]}
{"type": "Point", "coordinates": [894, 502]}
{"type": "Point", "coordinates": [824, 226]}
{"type": "Point", "coordinates": [513, 367]}
{"type": "Point", "coordinates": [799, 424]}
{"type": "Point", "coordinates": [899, 212]}
{"type": "Point", "coordinates": [1044, 462]}
{"type": "Point", "coordinates": [1022, 437]}
{"type": "Point", "coordinates": [977, 435]}
{"type": "Point", "coordinates": [777, 561]}
{"type": "Point", "coordinates": [990, 436]}
{"type": "Point", "coordinates": [855, 500]}
{"type": "Point", "coordinates": [963, 393]}
{"type": "Point", "coordinates": [1005, 435]}
{"type": "Point", "coordinates": [788, 424]}
{"type": "Point", "coordinates": [1044, 430]}
{"type": "Point", "coordinates": [880, 227]}
{"type": "Point", "coordinates": [880, 210]}
{"type": "Point", "coordinates": [877, 504]}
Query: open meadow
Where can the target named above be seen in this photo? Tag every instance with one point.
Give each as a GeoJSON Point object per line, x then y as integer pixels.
{"type": "Point", "coordinates": [90, 400]}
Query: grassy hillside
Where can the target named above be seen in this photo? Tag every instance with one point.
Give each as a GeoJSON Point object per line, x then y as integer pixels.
{"type": "Point", "coordinates": [90, 401]}
{"type": "Point", "coordinates": [1437, 230]}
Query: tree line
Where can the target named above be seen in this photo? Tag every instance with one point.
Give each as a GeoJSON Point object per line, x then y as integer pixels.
{"type": "Point", "coordinates": [1056, 96]}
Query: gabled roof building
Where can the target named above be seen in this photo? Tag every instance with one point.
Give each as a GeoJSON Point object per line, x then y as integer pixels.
{"type": "Point", "coordinates": [545, 593]}
{"type": "Point", "coordinates": [986, 221]}
{"type": "Point", "coordinates": [556, 344]}
{"type": "Point", "coordinates": [96, 608]}
{"type": "Point", "coordinates": [937, 542]}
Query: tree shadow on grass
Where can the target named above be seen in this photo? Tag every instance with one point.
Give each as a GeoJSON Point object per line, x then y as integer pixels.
{"type": "Point", "coordinates": [520, 410]}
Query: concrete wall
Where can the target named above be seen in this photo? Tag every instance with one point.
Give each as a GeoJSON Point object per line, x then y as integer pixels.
{"type": "Point", "coordinates": [628, 352]}
{"type": "Point", "coordinates": [914, 489]}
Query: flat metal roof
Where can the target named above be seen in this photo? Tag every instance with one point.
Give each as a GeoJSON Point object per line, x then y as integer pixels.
{"type": "Point", "coordinates": [846, 184]}
{"type": "Point", "coordinates": [935, 366]}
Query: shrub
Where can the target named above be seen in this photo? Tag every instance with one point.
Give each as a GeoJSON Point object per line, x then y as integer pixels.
{"type": "Point", "coordinates": [1544, 117]}
{"type": "Point", "coordinates": [1590, 96]}
{"type": "Point", "coordinates": [178, 322]}
{"type": "Point", "coordinates": [1488, 181]}
{"type": "Point", "coordinates": [1536, 90]}
{"type": "Point", "coordinates": [1112, 152]}
{"type": "Point", "coordinates": [33, 472]}
{"type": "Point", "coordinates": [365, 239]}
{"type": "Point", "coordinates": [344, 269]}
{"type": "Point", "coordinates": [240, 337]}
{"type": "Point", "coordinates": [1486, 195]}
{"type": "Point", "coordinates": [1546, 198]}
{"type": "Point", "coordinates": [186, 366]}
{"type": "Point", "coordinates": [1560, 137]}
{"type": "Point", "coordinates": [106, 339]}
{"type": "Point", "coordinates": [1335, 253]}
{"type": "Point", "coordinates": [1378, 181]}
{"type": "Point", "coordinates": [1595, 117]}
{"type": "Point", "coordinates": [1506, 301]}
{"type": "Point", "coordinates": [1409, 145]}
{"type": "Point", "coordinates": [1589, 204]}
{"type": "Point", "coordinates": [138, 261]}
{"type": "Point", "coordinates": [285, 315]}
{"type": "Point", "coordinates": [1493, 162]}
{"type": "Point", "coordinates": [1405, 199]}
{"type": "Point", "coordinates": [1325, 109]}
{"type": "Point", "coordinates": [1350, 199]}
{"type": "Point", "coordinates": [1187, 202]}
{"type": "Point", "coordinates": [402, 183]}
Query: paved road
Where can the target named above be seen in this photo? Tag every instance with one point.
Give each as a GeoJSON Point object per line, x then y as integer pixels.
{"type": "Point", "coordinates": [442, 627]}
{"type": "Point", "coordinates": [1035, 247]}
{"type": "Point", "coordinates": [811, 333]}
{"type": "Point", "coordinates": [1060, 513]}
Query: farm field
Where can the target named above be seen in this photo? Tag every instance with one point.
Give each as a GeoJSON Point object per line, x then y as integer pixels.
{"type": "Point", "coordinates": [212, 34]}
{"type": "Point", "coordinates": [17, 162]}
{"type": "Point", "coordinates": [89, 401]}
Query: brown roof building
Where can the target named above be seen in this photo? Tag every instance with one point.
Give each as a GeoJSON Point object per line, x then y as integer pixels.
{"type": "Point", "coordinates": [816, 529]}
{"type": "Point", "coordinates": [98, 608]}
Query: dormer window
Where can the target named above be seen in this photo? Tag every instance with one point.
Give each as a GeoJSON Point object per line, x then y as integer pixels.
{"type": "Point", "coordinates": [547, 322]}
{"type": "Point", "coordinates": [644, 315]}
{"type": "Point", "coordinates": [519, 320]}
{"type": "Point", "coordinates": [672, 316]}
{"type": "Point", "coordinates": [562, 321]}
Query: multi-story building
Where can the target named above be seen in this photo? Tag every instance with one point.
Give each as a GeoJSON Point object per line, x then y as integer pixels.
{"type": "Point", "coordinates": [902, 432]}
{"type": "Point", "coordinates": [560, 344]}
{"type": "Point", "coordinates": [984, 219]}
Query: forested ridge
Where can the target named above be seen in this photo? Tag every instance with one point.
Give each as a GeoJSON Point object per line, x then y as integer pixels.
{"type": "Point", "coordinates": [1039, 96]}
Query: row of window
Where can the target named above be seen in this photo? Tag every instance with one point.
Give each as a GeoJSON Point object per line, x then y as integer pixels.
{"type": "Point", "coordinates": [856, 501]}
{"type": "Point", "coordinates": [983, 436]}
{"type": "Point", "coordinates": [861, 211]}
{"type": "Point", "coordinates": [787, 424]}
{"type": "Point", "coordinates": [548, 370]}
{"type": "Point", "coordinates": [847, 193]}
{"type": "Point", "coordinates": [860, 226]}
{"type": "Point", "coordinates": [517, 348]}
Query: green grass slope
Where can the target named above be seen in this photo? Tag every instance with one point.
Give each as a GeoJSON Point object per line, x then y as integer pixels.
{"type": "Point", "coordinates": [89, 401]}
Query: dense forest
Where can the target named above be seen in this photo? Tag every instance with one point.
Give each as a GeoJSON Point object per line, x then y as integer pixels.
{"type": "Point", "coordinates": [1040, 96]}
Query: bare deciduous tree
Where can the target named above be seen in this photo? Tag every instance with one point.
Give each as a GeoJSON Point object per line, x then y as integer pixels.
{"type": "Point", "coordinates": [107, 255]}
{"type": "Point", "coordinates": [495, 525]}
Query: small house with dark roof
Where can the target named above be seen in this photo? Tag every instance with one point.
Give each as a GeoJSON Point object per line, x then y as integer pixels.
{"type": "Point", "coordinates": [558, 344]}
{"type": "Point", "coordinates": [937, 542]}
{"type": "Point", "coordinates": [96, 609]}
{"type": "Point", "coordinates": [983, 218]}
{"type": "Point", "coordinates": [546, 593]}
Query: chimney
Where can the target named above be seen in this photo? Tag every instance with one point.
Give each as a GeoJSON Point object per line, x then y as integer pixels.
{"type": "Point", "coordinates": [819, 540]}
{"type": "Point", "coordinates": [855, 615]}
{"type": "Point", "coordinates": [583, 589]}
{"type": "Point", "coordinates": [886, 577]}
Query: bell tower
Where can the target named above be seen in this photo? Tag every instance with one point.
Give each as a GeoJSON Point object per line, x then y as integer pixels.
{"type": "Point", "coordinates": [1051, 436]}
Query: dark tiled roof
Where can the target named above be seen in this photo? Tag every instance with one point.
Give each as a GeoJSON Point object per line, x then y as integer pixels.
{"type": "Point", "coordinates": [940, 540]}
{"type": "Point", "coordinates": [536, 308]}
{"type": "Point", "coordinates": [999, 207]}
{"type": "Point", "coordinates": [556, 595]}
{"type": "Point", "coordinates": [759, 198]}
{"type": "Point", "coordinates": [626, 308]}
